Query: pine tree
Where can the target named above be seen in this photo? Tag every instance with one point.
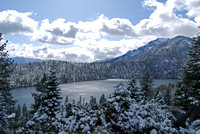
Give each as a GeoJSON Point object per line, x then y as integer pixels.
{"type": "Point", "coordinates": [52, 97]}
{"type": "Point", "coordinates": [39, 94]}
{"type": "Point", "coordinates": [7, 104]}
{"type": "Point", "coordinates": [44, 120]}
{"type": "Point", "coordinates": [167, 92]}
{"type": "Point", "coordinates": [159, 98]}
{"type": "Point", "coordinates": [136, 92]}
{"type": "Point", "coordinates": [66, 100]}
{"type": "Point", "coordinates": [188, 92]}
{"type": "Point", "coordinates": [79, 103]}
{"type": "Point", "coordinates": [3, 115]}
{"type": "Point", "coordinates": [25, 113]}
{"type": "Point", "coordinates": [146, 84]}
{"type": "Point", "coordinates": [9, 101]}
{"type": "Point", "coordinates": [102, 101]}
{"type": "Point", "coordinates": [117, 104]}
{"type": "Point", "coordinates": [6, 67]}
{"type": "Point", "coordinates": [18, 113]}
{"type": "Point", "coordinates": [93, 102]}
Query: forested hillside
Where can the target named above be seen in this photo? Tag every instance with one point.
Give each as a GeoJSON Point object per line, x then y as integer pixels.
{"type": "Point", "coordinates": [30, 74]}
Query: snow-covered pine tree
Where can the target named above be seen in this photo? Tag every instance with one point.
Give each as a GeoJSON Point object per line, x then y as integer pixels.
{"type": "Point", "coordinates": [3, 114]}
{"type": "Point", "coordinates": [39, 94]}
{"type": "Point", "coordinates": [66, 100]}
{"type": "Point", "coordinates": [7, 104]}
{"type": "Point", "coordinates": [136, 92]}
{"type": "Point", "coordinates": [146, 84]}
{"type": "Point", "coordinates": [188, 92]}
{"type": "Point", "coordinates": [79, 103]}
{"type": "Point", "coordinates": [44, 120]}
{"type": "Point", "coordinates": [93, 102]}
{"type": "Point", "coordinates": [102, 101]}
{"type": "Point", "coordinates": [18, 113]}
{"type": "Point", "coordinates": [159, 98]}
{"type": "Point", "coordinates": [167, 92]}
{"type": "Point", "coordinates": [52, 97]}
{"type": "Point", "coordinates": [25, 113]}
{"type": "Point", "coordinates": [117, 104]}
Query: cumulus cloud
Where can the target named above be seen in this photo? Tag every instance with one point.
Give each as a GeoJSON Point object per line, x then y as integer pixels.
{"type": "Point", "coordinates": [57, 32]}
{"type": "Point", "coordinates": [88, 51]}
{"type": "Point", "coordinates": [117, 27]}
{"type": "Point", "coordinates": [103, 26]}
{"type": "Point", "coordinates": [89, 40]}
{"type": "Point", "coordinates": [165, 21]}
{"type": "Point", "coordinates": [40, 52]}
{"type": "Point", "coordinates": [12, 21]}
{"type": "Point", "coordinates": [192, 7]}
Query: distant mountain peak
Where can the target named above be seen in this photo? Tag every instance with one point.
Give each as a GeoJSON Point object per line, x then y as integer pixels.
{"type": "Point", "coordinates": [161, 47]}
{"type": "Point", "coordinates": [24, 60]}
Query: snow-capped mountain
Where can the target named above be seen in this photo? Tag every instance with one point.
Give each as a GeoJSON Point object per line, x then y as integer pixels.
{"type": "Point", "coordinates": [161, 49]}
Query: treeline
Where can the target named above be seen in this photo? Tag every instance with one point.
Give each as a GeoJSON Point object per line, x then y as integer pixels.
{"type": "Point", "coordinates": [30, 74]}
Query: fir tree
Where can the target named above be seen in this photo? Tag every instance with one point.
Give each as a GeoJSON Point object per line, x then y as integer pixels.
{"type": "Point", "coordinates": [118, 103]}
{"type": "Point", "coordinates": [44, 120]}
{"type": "Point", "coordinates": [136, 92]}
{"type": "Point", "coordinates": [146, 84]}
{"type": "Point", "coordinates": [6, 67]}
{"type": "Point", "coordinates": [52, 97]}
{"type": "Point", "coordinates": [160, 99]}
{"type": "Point", "coordinates": [7, 104]}
{"type": "Point", "coordinates": [93, 102]}
{"type": "Point", "coordinates": [102, 101]}
{"type": "Point", "coordinates": [25, 113]}
{"type": "Point", "coordinates": [66, 100]}
{"type": "Point", "coordinates": [18, 113]}
{"type": "Point", "coordinates": [39, 94]}
{"type": "Point", "coordinates": [188, 92]}
{"type": "Point", "coordinates": [79, 103]}
{"type": "Point", "coordinates": [167, 92]}
{"type": "Point", "coordinates": [3, 114]}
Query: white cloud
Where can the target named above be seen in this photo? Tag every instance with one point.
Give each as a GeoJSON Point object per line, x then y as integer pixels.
{"type": "Point", "coordinates": [103, 26]}
{"type": "Point", "coordinates": [57, 32]}
{"type": "Point", "coordinates": [91, 40]}
{"type": "Point", "coordinates": [86, 51]}
{"type": "Point", "coordinates": [12, 21]}
{"type": "Point", "coordinates": [192, 7]}
{"type": "Point", "coordinates": [165, 21]}
{"type": "Point", "coordinates": [117, 27]}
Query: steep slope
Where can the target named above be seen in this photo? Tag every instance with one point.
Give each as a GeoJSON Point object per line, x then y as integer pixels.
{"type": "Point", "coordinates": [161, 49]}
{"type": "Point", "coordinates": [163, 57]}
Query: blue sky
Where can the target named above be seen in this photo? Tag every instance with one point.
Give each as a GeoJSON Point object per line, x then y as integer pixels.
{"type": "Point", "coordinates": [92, 30]}
{"type": "Point", "coordinates": [76, 10]}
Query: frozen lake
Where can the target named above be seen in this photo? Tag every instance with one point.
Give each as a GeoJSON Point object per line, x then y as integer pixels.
{"type": "Point", "coordinates": [83, 89]}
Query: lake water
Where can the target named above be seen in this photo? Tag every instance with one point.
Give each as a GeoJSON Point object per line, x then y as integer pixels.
{"type": "Point", "coordinates": [83, 89]}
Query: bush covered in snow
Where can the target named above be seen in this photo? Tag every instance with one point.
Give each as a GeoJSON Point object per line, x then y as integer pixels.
{"type": "Point", "coordinates": [123, 114]}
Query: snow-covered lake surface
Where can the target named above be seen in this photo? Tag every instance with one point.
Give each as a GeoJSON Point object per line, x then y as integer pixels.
{"type": "Point", "coordinates": [83, 89]}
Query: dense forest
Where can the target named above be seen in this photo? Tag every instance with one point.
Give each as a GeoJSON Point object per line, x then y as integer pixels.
{"type": "Point", "coordinates": [30, 74]}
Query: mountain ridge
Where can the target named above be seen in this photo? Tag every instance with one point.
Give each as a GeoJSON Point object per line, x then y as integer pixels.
{"type": "Point", "coordinates": [162, 47]}
{"type": "Point", "coordinates": [25, 60]}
